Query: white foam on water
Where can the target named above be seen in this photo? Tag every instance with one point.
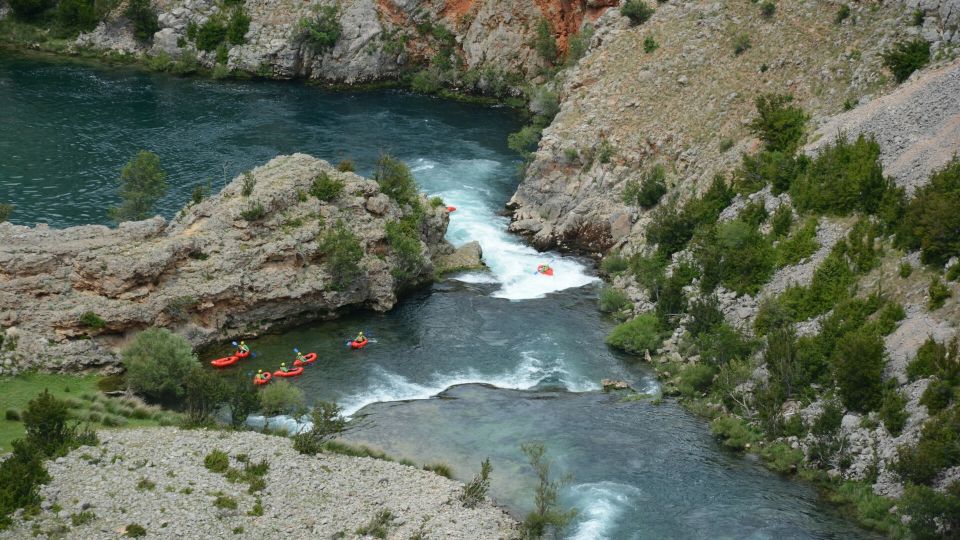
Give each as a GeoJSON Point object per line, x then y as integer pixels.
{"type": "Point", "coordinates": [513, 264]}
{"type": "Point", "coordinates": [600, 505]}
{"type": "Point", "coordinates": [389, 386]}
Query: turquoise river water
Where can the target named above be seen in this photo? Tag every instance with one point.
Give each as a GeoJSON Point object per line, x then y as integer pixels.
{"type": "Point", "coordinates": [471, 367]}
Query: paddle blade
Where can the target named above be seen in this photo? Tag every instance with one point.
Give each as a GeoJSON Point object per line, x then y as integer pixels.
{"type": "Point", "coordinates": [234, 343]}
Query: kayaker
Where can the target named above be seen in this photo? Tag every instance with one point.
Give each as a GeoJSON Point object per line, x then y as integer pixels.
{"type": "Point", "coordinates": [301, 357]}
{"type": "Point", "coordinates": [244, 348]}
{"type": "Point", "coordinates": [283, 367]}
{"type": "Point", "coordinates": [261, 375]}
{"type": "Point", "coordinates": [360, 337]}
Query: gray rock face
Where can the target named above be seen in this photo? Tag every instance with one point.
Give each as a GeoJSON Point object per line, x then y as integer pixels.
{"type": "Point", "coordinates": [941, 20]}
{"type": "Point", "coordinates": [209, 274]}
{"type": "Point", "coordinates": [305, 497]}
{"type": "Point", "coordinates": [467, 257]}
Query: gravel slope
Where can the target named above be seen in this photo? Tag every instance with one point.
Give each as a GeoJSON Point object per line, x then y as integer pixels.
{"type": "Point", "coordinates": [305, 497]}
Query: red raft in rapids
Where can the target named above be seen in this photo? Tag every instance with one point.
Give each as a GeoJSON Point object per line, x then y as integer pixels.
{"type": "Point", "coordinates": [267, 377]}
{"type": "Point", "coordinates": [359, 344]}
{"type": "Point", "coordinates": [292, 373]}
{"type": "Point", "coordinates": [229, 360]}
{"type": "Point", "coordinates": [308, 358]}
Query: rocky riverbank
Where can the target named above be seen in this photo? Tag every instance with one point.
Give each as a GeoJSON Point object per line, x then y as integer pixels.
{"type": "Point", "coordinates": [156, 478]}
{"type": "Point", "coordinates": [238, 263]}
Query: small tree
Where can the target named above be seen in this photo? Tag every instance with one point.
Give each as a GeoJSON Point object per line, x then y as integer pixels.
{"type": "Point", "coordinates": [45, 421]}
{"type": "Point", "coordinates": [326, 188]}
{"type": "Point", "coordinates": [545, 43]}
{"type": "Point", "coordinates": [906, 57]}
{"type": "Point", "coordinates": [142, 183]}
{"type": "Point", "coordinates": [158, 362]}
{"type": "Point", "coordinates": [858, 367]}
{"type": "Point", "coordinates": [242, 398]}
{"type": "Point", "coordinates": [238, 26]}
{"type": "Point", "coordinates": [476, 490]}
{"type": "Point", "coordinates": [77, 15]}
{"type": "Point", "coordinates": [343, 254]}
{"type": "Point", "coordinates": [144, 19]}
{"type": "Point", "coordinates": [932, 218]}
{"type": "Point", "coordinates": [637, 11]}
{"type": "Point", "coordinates": [396, 180]}
{"type": "Point", "coordinates": [323, 30]}
{"type": "Point", "coordinates": [28, 10]}
{"type": "Point", "coordinates": [5, 211]}
{"type": "Point", "coordinates": [281, 398]}
{"type": "Point", "coordinates": [546, 517]}
{"type": "Point", "coordinates": [779, 124]}
{"type": "Point", "coordinates": [328, 422]}
{"type": "Point", "coordinates": [204, 390]}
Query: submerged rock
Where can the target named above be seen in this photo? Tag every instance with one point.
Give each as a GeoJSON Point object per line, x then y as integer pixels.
{"type": "Point", "coordinates": [71, 298]}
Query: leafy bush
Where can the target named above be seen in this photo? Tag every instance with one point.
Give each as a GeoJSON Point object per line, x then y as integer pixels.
{"type": "Point", "coordinates": [829, 420]}
{"type": "Point", "coordinates": [142, 183]}
{"type": "Point", "coordinates": [733, 432]}
{"type": "Point", "coordinates": [781, 457]}
{"type": "Point", "coordinates": [937, 396]}
{"type": "Point", "coordinates": [20, 477]}
{"type": "Point", "coordinates": [844, 177]}
{"type": "Point", "coordinates": [134, 531]}
{"type": "Point", "coordinates": [612, 299]}
{"type": "Point", "coordinates": [892, 411]}
{"type": "Point", "coordinates": [396, 180]}
{"type": "Point", "coordinates": [476, 490]}
{"type": "Point", "coordinates": [225, 502]}
{"type": "Point", "coordinates": [800, 245]}
{"type": "Point", "coordinates": [92, 320]}
{"type": "Point", "coordinates": [648, 192]}
{"type": "Point", "coordinates": [637, 11]}
{"type": "Point", "coordinates": [577, 45]}
{"type": "Point", "coordinates": [649, 45]}
{"type": "Point", "coordinates": [345, 165]}
{"type": "Point", "coordinates": [905, 57]}
{"type": "Point", "coordinates": [546, 517]}
{"type": "Point", "coordinates": [404, 241]}
{"type": "Point", "coordinates": [888, 318]}
{"type": "Point", "coordinates": [29, 10]}
{"type": "Point", "coordinates": [741, 44]}
{"type": "Point", "coordinates": [12, 415]}
{"type": "Point", "coordinates": [938, 293]}
{"type": "Point", "coordinates": [82, 518]}
{"type": "Point", "coordinates": [323, 30]}
{"type": "Point", "coordinates": [241, 397]}
{"type": "Point", "coordinates": [637, 335]}
{"type": "Point", "coordinates": [144, 19]}
{"type": "Point", "coordinates": [281, 397]}
{"type": "Point", "coordinates": [544, 42]}
{"type": "Point", "coordinates": [779, 124]}
{"type": "Point", "coordinates": [768, 8]}
{"type": "Point", "coordinates": [936, 450]}
{"type": "Point", "coordinates": [378, 526]}
{"type": "Point", "coordinates": [782, 221]}
{"type": "Point", "coordinates": [158, 362]}
{"type": "Point", "coordinates": [842, 14]}
{"type": "Point", "coordinates": [524, 141]}
{"type": "Point", "coordinates": [5, 211]}
{"type": "Point", "coordinates": [217, 461]}
{"type": "Point", "coordinates": [614, 264]}
{"type": "Point", "coordinates": [238, 27]}
{"type": "Point", "coordinates": [858, 362]}
{"type": "Point", "coordinates": [328, 422]}
{"type": "Point", "coordinates": [775, 168]}
{"type": "Point", "coordinates": [932, 217]}
{"type": "Point", "coordinates": [205, 391]}
{"type": "Point", "coordinates": [77, 15]}
{"type": "Point", "coordinates": [695, 379]}
{"type": "Point", "coordinates": [736, 255]}
{"type": "Point", "coordinates": [211, 34]}
{"type": "Point", "coordinates": [326, 188]}
{"type": "Point", "coordinates": [933, 515]}
{"type": "Point", "coordinates": [343, 254]}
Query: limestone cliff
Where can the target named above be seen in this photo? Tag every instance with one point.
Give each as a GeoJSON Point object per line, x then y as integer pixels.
{"type": "Point", "coordinates": [215, 271]}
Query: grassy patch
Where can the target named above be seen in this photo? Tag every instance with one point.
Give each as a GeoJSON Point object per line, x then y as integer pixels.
{"type": "Point", "coordinates": [15, 392]}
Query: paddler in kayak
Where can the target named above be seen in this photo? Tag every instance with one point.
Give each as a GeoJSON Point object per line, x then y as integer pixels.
{"type": "Point", "coordinates": [360, 337]}
{"type": "Point", "coordinates": [261, 375]}
{"type": "Point", "coordinates": [300, 356]}
{"type": "Point", "coordinates": [283, 367]}
{"type": "Point", "coordinates": [244, 348]}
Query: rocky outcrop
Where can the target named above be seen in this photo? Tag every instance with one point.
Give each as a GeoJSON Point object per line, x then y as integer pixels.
{"type": "Point", "coordinates": [941, 21]}
{"type": "Point", "coordinates": [467, 257]}
{"type": "Point", "coordinates": [71, 298]}
{"type": "Point", "coordinates": [322, 496]}
{"type": "Point", "coordinates": [380, 39]}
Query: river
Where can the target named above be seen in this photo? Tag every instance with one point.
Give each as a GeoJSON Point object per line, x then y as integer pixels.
{"type": "Point", "coordinates": [468, 368]}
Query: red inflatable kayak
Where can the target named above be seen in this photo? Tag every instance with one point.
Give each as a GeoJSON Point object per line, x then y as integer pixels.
{"type": "Point", "coordinates": [451, 209]}
{"type": "Point", "coordinates": [308, 358]}
{"type": "Point", "coordinates": [229, 360]}
{"type": "Point", "coordinates": [266, 378]}
{"type": "Point", "coordinates": [545, 270]}
{"type": "Point", "coordinates": [292, 373]}
{"type": "Point", "coordinates": [359, 344]}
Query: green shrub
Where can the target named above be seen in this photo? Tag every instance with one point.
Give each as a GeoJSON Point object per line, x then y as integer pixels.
{"type": "Point", "coordinates": [5, 211]}
{"type": "Point", "coordinates": [145, 484]}
{"type": "Point", "coordinates": [767, 9]}
{"type": "Point", "coordinates": [544, 41]}
{"type": "Point", "coordinates": [777, 169]}
{"type": "Point", "coordinates": [733, 432]}
{"type": "Point", "coordinates": [779, 124]}
{"type": "Point", "coordinates": [205, 390]}
{"type": "Point", "coordinates": [649, 45]}
{"type": "Point", "coordinates": [938, 293]}
{"type": "Point", "coordinates": [404, 241]}
{"type": "Point", "coordinates": [781, 222]}
{"type": "Point", "coordinates": [225, 502]}
{"type": "Point", "coordinates": [77, 15]}
{"type": "Point", "coordinates": [82, 518]}
{"type": "Point", "coordinates": [670, 229]}
{"type": "Point", "coordinates": [780, 457]}
{"type": "Point", "coordinates": [858, 362]}
{"type": "Point", "coordinates": [637, 11]}
{"type": "Point", "coordinates": [741, 44]}
{"type": "Point", "coordinates": [889, 316]}
{"type": "Point", "coordinates": [323, 30]}
{"type": "Point", "coordinates": [92, 320]}
{"type": "Point", "coordinates": [211, 34]}
{"type": "Point", "coordinates": [134, 531]}
{"type": "Point", "coordinates": [396, 180]}
{"type": "Point", "coordinates": [524, 141]}
{"type": "Point", "coordinates": [475, 491]}
{"type": "Point", "coordinates": [842, 14]}
{"type": "Point", "coordinates": [800, 245]}
{"type": "Point", "coordinates": [326, 188]}
{"type": "Point", "coordinates": [12, 415]}
{"type": "Point", "coordinates": [158, 362]}
{"type": "Point", "coordinates": [29, 10]}
{"type": "Point", "coordinates": [281, 397]}
{"type": "Point", "coordinates": [20, 477]}
{"type": "Point", "coordinates": [905, 57]}
{"type": "Point", "coordinates": [343, 254]}
{"type": "Point", "coordinates": [249, 182]}
{"type": "Point", "coordinates": [844, 177]}
{"type": "Point", "coordinates": [936, 450]}
{"type": "Point", "coordinates": [932, 217]}
{"type": "Point", "coordinates": [829, 420]}
{"type": "Point", "coordinates": [546, 515]}
{"type": "Point", "coordinates": [111, 383]}
{"type": "Point", "coordinates": [696, 379]}
{"type": "Point", "coordinates": [238, 27]}
{"type": "Point", "coordinates": [241, 397]}
{"type": "Point", "coordinates": [328, 422]}
{"type": "Point", "coordinates": [892, 411]}
{"type": "Point", "coordinates": [577, 45]}
{"type": "Point", "coordinates": [440, 469]}
{"type": "Point", "coordinates": [614, 264]}
{"type": "Point", "coordinates": [735, 254]}
{"type": "Point", "coordinates": [144, 19]}
{"type": "Point", "coordinates": [378, 526]}
{"type": "Point", "coordinates": [937, 396]}
{"type": "Point", "coordinates": [345, 165]}
{"type": "Point", "coordinates": [936, 359]}
{"type": "Point", "coordinates": [638, 335]}
{"type": "Point", "coordinates": [933, 515]}
{"type": "Point", "coordinates": [648, 192]}
{"type": "Point", "coordinates": [217, 461]}
{"type": "Point", "coordinates": [45, 421]}
{"type": "Point", "coordinates": [612, 299]}
{"type": "Point", "coordinates": [142, 183]}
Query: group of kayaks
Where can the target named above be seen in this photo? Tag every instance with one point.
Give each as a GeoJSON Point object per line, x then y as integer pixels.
{"type": "Point", "coordinates": [265, 377]}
